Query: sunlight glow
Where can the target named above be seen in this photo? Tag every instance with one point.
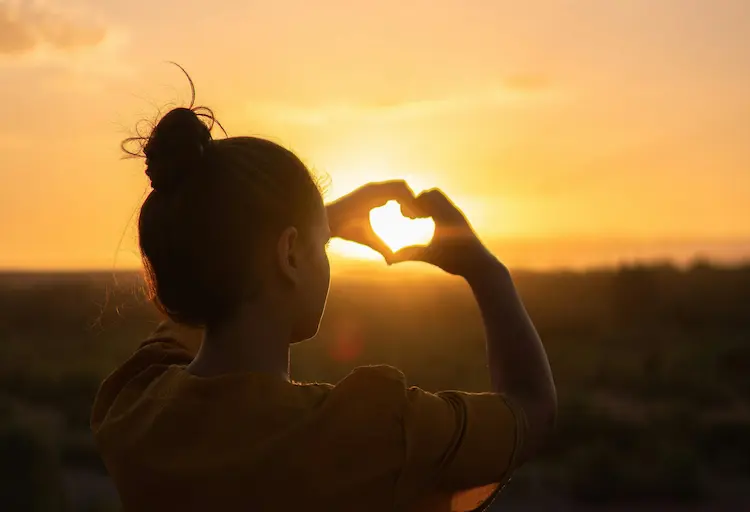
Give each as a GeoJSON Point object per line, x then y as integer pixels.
{"type": "Point", "coordinates": [350, 250]}
{"type": "Point", "coordinates": [398, 231]}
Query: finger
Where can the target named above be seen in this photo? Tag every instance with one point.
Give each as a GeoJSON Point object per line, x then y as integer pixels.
{"type": "Point", "coordinates": [394, 190]}
{"type": "Point", "coordinates": [376, 243]}
{"type": "Point", "coordinates": [411, 210]}
{"type": "Point", "coordinates": [436, 204]}
{"type": "Point", "coordinates": [410, 253]}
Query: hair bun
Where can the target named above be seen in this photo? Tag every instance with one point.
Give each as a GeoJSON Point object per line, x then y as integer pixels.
{"type": "Point", "coordinates": [175, 148]}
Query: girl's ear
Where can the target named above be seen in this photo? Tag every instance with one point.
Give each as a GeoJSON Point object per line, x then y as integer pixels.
{"type": "Point", "coordinates": [288, 254]}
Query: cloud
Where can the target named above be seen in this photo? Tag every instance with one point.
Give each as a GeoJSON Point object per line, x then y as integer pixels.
{"type": "Point", "coordinates": [25, 28]}
{"type": "Point", "coordinates": [515, 91]}
{"type": "Point", "coordinates": [65, 48]}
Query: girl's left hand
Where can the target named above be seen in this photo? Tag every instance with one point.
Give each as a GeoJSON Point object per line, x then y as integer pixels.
{"type": "Point", "coordinates": [349, 216]}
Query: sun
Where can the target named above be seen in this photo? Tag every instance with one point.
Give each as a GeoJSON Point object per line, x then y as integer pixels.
{"type": "Point", "coordinates": [398, 231]}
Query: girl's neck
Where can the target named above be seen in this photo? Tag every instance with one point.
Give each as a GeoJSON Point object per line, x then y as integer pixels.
{"type": "Point", "coordinates": [255, 340]}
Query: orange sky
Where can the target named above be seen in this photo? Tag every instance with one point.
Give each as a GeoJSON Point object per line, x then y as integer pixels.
{"type": "Point", "coordinates": [571, 120]}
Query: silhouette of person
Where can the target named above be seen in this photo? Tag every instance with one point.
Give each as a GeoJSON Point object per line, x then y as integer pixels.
{"type": "Point", "coordinates": [204, 415]}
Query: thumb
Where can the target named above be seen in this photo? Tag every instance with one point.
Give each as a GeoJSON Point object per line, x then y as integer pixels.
{"type": "Point", "coordinates": [376, 243]}
{"type": "Point", "coordinates": [411, 253]}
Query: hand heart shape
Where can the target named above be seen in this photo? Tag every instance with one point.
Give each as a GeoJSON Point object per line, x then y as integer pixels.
{"type": "Point", "coordinates": [397, 231]}
{"type": "Point", "coordinates": [372, 216]}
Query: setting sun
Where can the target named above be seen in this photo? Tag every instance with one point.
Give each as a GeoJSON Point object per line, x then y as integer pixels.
{"type": "Point", "coordinates": [398, 231]}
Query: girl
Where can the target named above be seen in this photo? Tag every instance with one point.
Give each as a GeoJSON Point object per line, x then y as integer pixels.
{"type": "Point", "coordinates": [204, 415]}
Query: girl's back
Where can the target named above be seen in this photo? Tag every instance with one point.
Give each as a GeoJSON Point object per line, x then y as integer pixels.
{"type": "Point", "coordinates": [251, 441]}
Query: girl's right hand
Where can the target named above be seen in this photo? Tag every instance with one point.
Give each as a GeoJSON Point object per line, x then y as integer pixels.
{"type": "Point", "coordinates": [455, 246]}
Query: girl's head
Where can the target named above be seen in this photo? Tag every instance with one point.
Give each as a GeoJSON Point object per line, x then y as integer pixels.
{"type": "Point", "coordinates": [232, 221]}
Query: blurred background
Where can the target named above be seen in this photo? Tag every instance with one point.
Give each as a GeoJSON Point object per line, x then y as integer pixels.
{"type": "Point", "coordinates": [599, 148]}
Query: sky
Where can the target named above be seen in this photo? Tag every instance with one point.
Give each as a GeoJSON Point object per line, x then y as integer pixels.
{"type": "Point", "coordinates": [591, 120]}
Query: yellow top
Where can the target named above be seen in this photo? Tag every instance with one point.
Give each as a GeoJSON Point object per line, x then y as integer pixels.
{"type": "Point", "coordinates": [174, 441]}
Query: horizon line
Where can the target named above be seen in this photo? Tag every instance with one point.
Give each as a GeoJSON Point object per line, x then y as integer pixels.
{"type": "Point", "coordinates": [520, 253]}
{"type": "Point", "coordinates": [354, 265]}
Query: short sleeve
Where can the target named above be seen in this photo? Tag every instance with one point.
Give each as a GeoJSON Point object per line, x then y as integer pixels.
{"type": "Point", "coordinates": [169, 344]}
{"type": "Point", "coordinates": [456, 441]}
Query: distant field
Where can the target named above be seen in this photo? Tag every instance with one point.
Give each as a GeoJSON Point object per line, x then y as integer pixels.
{"type": "Point", "coordinates": [651, 363]}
